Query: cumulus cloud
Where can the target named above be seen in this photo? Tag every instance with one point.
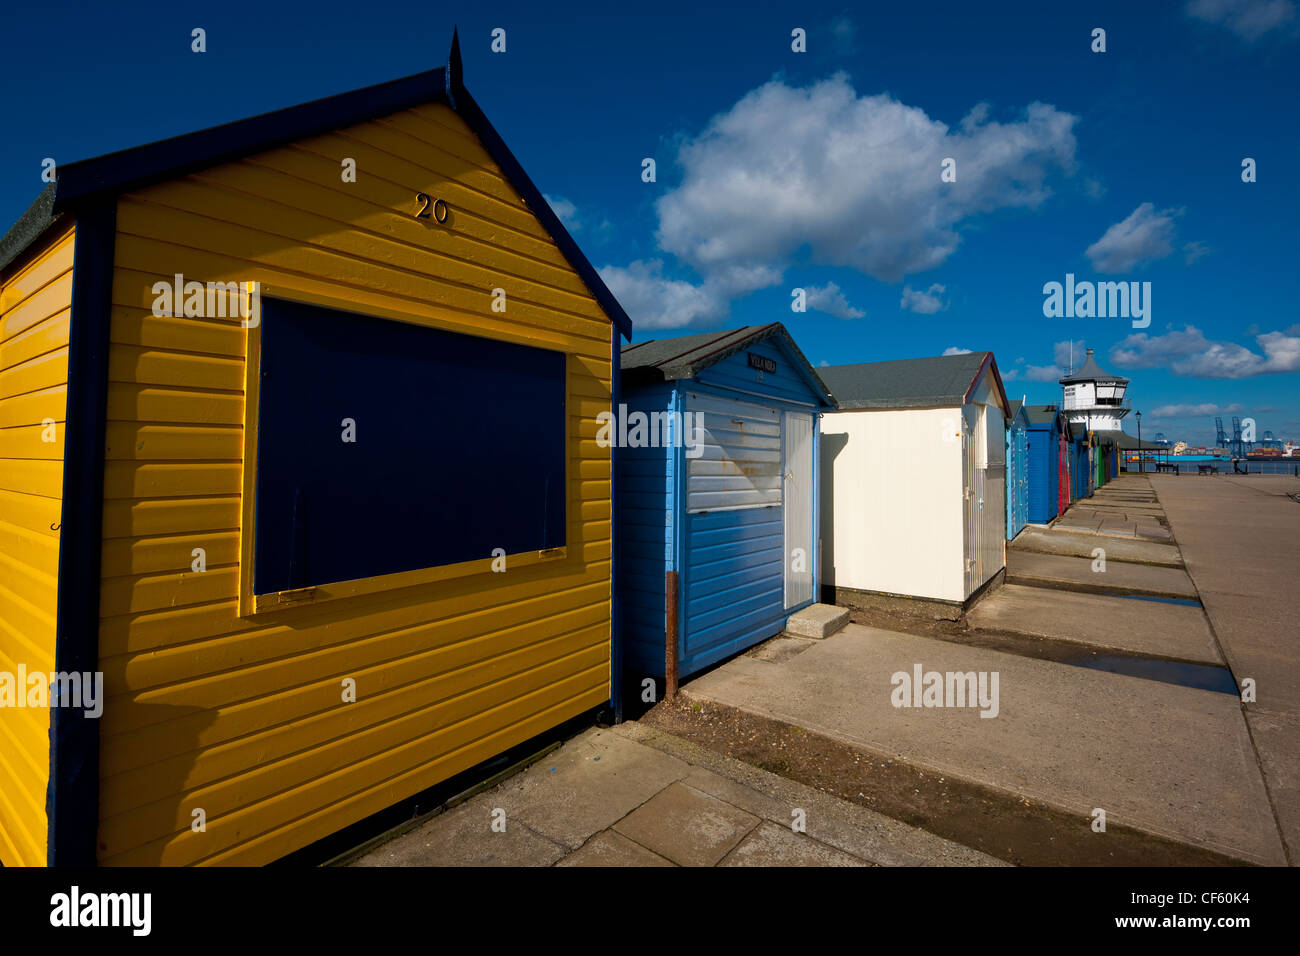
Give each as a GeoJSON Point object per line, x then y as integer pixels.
{"type": "Point", "coordinates": [954, 350]}
{"type": "Point", "coordinates": [1144, 236]}
{"type": "Point", "coordinates": [822, 174]}
{"type": "Point", "coordinates": [655, 301]}
{"type": "Point", "coordinates": [926, 303]}
{"type": "Point", "coordinates": [1062, 356]}
{"type": "Point", "coordinates": [1188, 411]}
{"type": "Point", "coordinates": [831, 300]}
{"type": "Point", "coordinates": [1189, 352]}
{"type": "Point", "coordinates": [1249, 19]}
{"type": "Point", "coordinates": [1042, 373]}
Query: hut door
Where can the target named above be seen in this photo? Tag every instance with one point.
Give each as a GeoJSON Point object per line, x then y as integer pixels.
{"type": "Point", "coordinates": [798, 487]}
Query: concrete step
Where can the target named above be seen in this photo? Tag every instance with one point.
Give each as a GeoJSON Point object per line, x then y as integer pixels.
{"type": "Point", "coordinates": [1061, 541]}
{"type": "Point", "coordinates": [1077, 574]}
{"type": "Point", "coordinates": [1171, 632]}
{"type": "Point", "coordinates": [817, 620]}
{"type": "Point", "coordinates": [1172, 767]}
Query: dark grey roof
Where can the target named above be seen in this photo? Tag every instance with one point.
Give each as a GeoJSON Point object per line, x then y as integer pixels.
{"type": "Point", "coordinates": [687, 355]}
{"type": "Point", "coordinates": [1041, 414]}
{"type": "Point", "coordinates": [933, 382]}
{"type": "Point", "coordinates": [1090, 371]}
{"type": "Point", "coordinates": [39, 216]}
{"type": "Point", "coordinates": [1012, 408]}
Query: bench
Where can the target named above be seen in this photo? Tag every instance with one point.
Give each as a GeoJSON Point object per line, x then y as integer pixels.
{"type": "Point", "coordinates": [1166, 466]}
{"type": "Point", "coordinates": [1206, 470]}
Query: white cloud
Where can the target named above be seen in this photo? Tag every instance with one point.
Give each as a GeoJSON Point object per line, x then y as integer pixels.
{"type": "Point", "coordinates": [1189, 352]}
{"type": "Point", "coordinates": [953, 350]}
{"type": "Point", "coordinates": [1189, 411]}
{"type": "Point", "coordinates": [831, 300]}
{"type": "Point", "coordinates": [566, 210]}
{"type": "Point", "coordinates": [926, 303]}
{"type": "Point", "coordinates": [1194, 250]}
{"type": "Point", "coordinates": [1042, 373]}
{"type": "Point", "coordinates": [1144, 236]}
{"type": "Point", "coordinates": [1249, 19]}
{"type": "Point", "coordinates": [657, 302]}
{"type": "Point", "coordinates": [823, 174]}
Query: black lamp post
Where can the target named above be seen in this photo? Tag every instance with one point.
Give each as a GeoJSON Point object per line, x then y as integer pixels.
{"type": "Point", "coordinates": [1141, 462]}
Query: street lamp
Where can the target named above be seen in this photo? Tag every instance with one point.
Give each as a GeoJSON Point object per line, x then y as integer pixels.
{"type": "Point", "coordinates": [1141, 462]}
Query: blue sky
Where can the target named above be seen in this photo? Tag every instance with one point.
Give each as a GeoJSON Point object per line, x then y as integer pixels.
{"type": "Point", "coordinates": [819, 170]}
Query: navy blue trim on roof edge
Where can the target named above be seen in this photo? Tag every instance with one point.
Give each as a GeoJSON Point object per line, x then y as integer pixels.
{"type": "Point", "coordinates": [469, 111]}
{"type": "Point", "coordinates": [72, 794]}
{"type": "Point", "coordinates": [131, 169]}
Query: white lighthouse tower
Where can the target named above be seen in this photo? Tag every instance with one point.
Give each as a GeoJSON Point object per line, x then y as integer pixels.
{"type": "Point", "coordinates": [1094, 398]}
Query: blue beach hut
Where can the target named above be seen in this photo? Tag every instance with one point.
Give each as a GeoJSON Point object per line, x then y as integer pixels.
{"type": "Point", "coordinates": [1017, 470]}
{"type": "Point", "coordinates": [1044, 442]}
{"type": "Point", "coordinates": [717, 495]}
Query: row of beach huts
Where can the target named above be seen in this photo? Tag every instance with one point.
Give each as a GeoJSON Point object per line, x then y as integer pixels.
{"type": "Point", "coordinates": [272, 565]}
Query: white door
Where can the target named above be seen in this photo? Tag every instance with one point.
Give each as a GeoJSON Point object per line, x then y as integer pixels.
{"type": "Point", "coordinates": [798, 486]}
{"type": "Point", "coordinates": [973, 457]}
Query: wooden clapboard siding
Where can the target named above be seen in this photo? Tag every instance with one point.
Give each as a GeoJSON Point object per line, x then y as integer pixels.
{"type": "Point", "coordinates": [35, 311]}
{"type": "Point", "coordinates": [243, 717]}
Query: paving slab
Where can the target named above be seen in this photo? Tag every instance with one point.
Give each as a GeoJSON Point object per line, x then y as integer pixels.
{"type": "Point", "coordinates": [772, 845]}
{"type": "Point", "coordinates": [587, 787]}
{"type": "Point", "coordinates": [1275, 734]}
{"type": "Point", "coordinates": [1173, 632]}
{"type": "Point", "coordinates": [610, 848]}
{"type": "Point", "coordinates": [856, 830]}
{"type": "Point", "coordinates": [1061, 570]}
{"type": "Point", "coordinates": [1060, 541]}
{"type": "Point", "coordinates": [686, 826]}
{"type": "Point", "coordinates": [1172, 761]}
{"type": "Point", "coordinates": [464, 837]}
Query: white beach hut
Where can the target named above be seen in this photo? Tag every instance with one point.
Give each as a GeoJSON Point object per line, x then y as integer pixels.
{"type": "Point", "coordinates": [914, 480]}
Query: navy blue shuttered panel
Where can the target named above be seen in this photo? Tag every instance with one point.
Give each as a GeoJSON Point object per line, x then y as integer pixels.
{"type": "Point", "coordinates": [460, 447]}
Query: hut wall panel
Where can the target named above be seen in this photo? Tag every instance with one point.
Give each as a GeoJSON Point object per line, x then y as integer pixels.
{"type": "Point", "coordinates": [242, 716]}
{"type": "Point", "coordinates": [646, 532]}
{"type": "Point", "coordinates": [891, 488]}
{"type": "Point", "coordinates": [734, 373]}
{"type": "Point", "coordinates": [35, 307]}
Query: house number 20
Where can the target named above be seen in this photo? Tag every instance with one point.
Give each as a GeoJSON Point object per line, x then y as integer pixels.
{"type": "Point", "coordinates": [437, 206]}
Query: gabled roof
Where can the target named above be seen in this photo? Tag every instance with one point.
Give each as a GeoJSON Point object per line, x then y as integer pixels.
{"type": "Point", "coordinates": [934, 382]}
{"type": "Point", "coordinates": [130, 169]}
{"type": "Point", "coordinates": [686, 356]}
{"type": "Point", "coordinates": [1090, 371]}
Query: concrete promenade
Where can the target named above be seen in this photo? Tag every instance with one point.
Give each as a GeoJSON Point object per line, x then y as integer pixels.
{"type": "Point", "coordinates": [1240, 541]}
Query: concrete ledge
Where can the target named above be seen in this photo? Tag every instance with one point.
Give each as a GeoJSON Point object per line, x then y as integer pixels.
{"type": "Point", "coordinates": [817, 620]}
{"type": "Point", "coordinates": [922, 608]}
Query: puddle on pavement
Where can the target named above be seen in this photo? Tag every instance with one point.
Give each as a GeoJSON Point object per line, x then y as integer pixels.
{"type": "Point", "coordinates": [1186, 602]}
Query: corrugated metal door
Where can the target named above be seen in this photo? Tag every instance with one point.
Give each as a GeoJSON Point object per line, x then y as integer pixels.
{"type": "Point", "coordinates": [732, 583]}
{"type": "Point", "coordinates": [798, 508]}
